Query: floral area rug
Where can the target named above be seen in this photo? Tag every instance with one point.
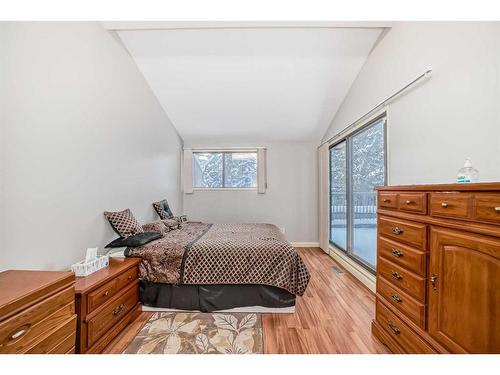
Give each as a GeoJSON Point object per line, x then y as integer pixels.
{"type": "Point", "coordinates": [199, 333]}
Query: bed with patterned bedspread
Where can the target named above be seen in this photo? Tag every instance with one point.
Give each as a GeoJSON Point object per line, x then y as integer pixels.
{"type": "Point", "coordinates": [223, 254]}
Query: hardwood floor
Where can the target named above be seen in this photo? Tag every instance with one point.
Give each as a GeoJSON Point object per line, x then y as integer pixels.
{"type": "Point", "coordinates": [333, 316]}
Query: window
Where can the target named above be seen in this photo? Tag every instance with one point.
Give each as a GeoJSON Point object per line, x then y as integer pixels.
{"type": "Point", "coordinates": [218, 170]}
{"type": "Point", "coordinates": [357, 165]}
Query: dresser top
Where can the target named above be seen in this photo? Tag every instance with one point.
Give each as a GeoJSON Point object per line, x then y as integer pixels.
{"type": "Point", "coordinates": [19, 288]}
{"type": "Point", "coordinates": [116, 266]}
{"type": "Point", "coordinates": [482, 186]}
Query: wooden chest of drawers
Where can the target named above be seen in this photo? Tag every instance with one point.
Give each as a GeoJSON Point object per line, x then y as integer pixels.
{"type": "Point", "coordinates": [106, 302]}
{"type": "Point", "coordinates": [438, 268]}
{"type": "Point", "coordinates": [37, 312]}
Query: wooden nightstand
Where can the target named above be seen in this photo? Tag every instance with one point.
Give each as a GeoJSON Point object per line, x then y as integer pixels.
{"type": "Point", "coordinates": [106, 302]}
{"type": "Point", "coordinates": [37, 312]}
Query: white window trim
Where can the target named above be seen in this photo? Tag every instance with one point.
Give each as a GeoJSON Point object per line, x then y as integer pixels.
{"type": "Point", "coordinates": [188, 168]}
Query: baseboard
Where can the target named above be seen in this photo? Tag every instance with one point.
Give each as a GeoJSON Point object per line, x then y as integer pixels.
{"type": "Point", "coordinates": [249, 309]}
{"type": "Point", "coordinates": [359, 272]}
{"type": "Point", "coordinates": [305, 244]}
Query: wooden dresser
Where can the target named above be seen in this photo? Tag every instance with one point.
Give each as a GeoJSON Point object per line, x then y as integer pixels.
{"type": "Point", "coordinates": [438, 268]}
{"type": "Point", "coordinates": [37, 312]}
{"type": "Point", "coordinates": [106, 302]}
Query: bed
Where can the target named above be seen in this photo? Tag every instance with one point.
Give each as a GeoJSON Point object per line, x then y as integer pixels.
{"type": "Point", "coordinates": [212, 267]}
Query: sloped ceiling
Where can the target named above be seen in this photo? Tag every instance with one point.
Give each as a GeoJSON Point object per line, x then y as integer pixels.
{"type": "Point", "coordinates": [262, 83]}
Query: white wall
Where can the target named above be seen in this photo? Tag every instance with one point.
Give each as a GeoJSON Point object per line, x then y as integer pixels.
{"type": "Point", "coordinates": [81, 132]}
{"type": "Point", "coordinates": [290, 200]}
{"type": "Point", "coordinates": [434, 127]}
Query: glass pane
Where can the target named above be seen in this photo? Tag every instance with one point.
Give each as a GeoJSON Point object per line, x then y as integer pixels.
{"type": "Point", "coordinates": [207, 170]}
{"type": "Point", "coordinates": [338, 195]}
{"type": "Point", "coordinates": [240, 170]}
{"type": "Point", "coordinates": [368, 171]}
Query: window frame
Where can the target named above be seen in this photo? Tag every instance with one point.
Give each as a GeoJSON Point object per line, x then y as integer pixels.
{"type": "Point", "coordinates": [223, 152]}
{"type": "Point", "coordinates": [348, 142]}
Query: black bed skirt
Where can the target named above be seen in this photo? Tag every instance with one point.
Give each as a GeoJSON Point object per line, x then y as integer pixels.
{"type": "Point", "coordinates": [208, 298]}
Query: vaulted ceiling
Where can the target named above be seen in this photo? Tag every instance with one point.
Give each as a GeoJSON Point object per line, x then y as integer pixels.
{"type": "Point", "coordinates": [226, 82]}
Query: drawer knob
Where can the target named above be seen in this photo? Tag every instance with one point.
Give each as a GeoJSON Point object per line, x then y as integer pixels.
{"type": "Point", "coordinates": [106, 293]}
{"type": "Point", "coordinates": [409, 202]}
{"type": "Point", "coordinates": [444, 204]}
{"type": "Point", "coordinates": [19, 333]}
{"type": "Point", "coordinates": [130, 278]}
{"type": "Point", "coordinates": [386, 200]}
{"type": "Point", "coordinates": [497, 209]}
{"type": "Point", "coordinates": [396, 298]}
{"type": "Point", "coordinates": [397, 253]}
{"type": "Point", "coordinates": [396, 276]}
{"type": "Point", "coordinates": [118, 309]}
{"type": "Point", "coordinates": [394, 328]}
{"type": "Point", "coordinates": [397, 230]}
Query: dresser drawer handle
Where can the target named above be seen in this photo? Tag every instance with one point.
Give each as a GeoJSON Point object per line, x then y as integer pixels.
{"type": "Point", "coordinates": [396, 298]}
{"type": "Point", "coordinates": [129, 278]}
{"type": "Point", "coordinates": [444, 204]}
{"type": "Point", "coordinates": [106, 293]}
{"type": "Point", "coordinates": [396, 230]}
{"type": "Point", "coordinates": [386, 200]}
{"type": "Point", "coordinates": [20, 333]}
{"type": "Point", "coordinates": [497, 209]}
{"type": "Point", "coordinates": [409, 202]}
{"type": "Point", "coordinates": [396, 276]}
{"type": "Point", "coordinates": [397, 253]}
{"type": "Point", "coordinates": [394, 328]}
{"type": "Point", "coordinates": [118, 309]}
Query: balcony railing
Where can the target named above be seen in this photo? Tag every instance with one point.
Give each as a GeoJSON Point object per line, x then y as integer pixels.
{"type": "Point", "coordinates": [364, 209]}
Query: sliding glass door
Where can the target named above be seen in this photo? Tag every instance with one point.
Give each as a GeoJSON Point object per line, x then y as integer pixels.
{"type": "Point", "coordinates": [338, 195]}
{"type": "Point", "coordinates": [357, 165]}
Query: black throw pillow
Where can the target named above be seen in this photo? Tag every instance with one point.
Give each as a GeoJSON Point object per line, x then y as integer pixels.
{"type": "Point", "coordinates": [135, 240]}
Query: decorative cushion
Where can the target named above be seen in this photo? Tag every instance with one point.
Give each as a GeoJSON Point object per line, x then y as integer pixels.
{"type": "Point", "coordinates": [124, 223]}
{"type": "Point", "coordinates": [156, 226]}
{"type": "Point", "coordinates": [171, 223]}
{"type": "Point", "coordinates": [135, 240]}
{"type": "Point", "coordinates": [162, 209]}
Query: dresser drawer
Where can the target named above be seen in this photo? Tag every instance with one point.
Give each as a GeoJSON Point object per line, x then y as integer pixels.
{"type": "Point", "coordinates": [402, 255]}
{"type": "Point", "coordinates": [23, 329]}
{"type": "Point", "coordinates": [413, 202]}
{"type": "Point", "coordinates": [400, 332]}
{"type": "Point", "coordinates": [401, 230]}
{"type": "Point", "coordinates": [402, 301]}
{"type": "Point", "coordinates": [103, 294]}
{"type": "Point", "coordinates": [402, 278]}
{"type": "Point", "coordinates": [388, 200]}
{"type": "Point", "coordinates": [454, 205]}
{"type": "Point", "coordinates": [487, 207]}
{"type": "Point", "coordinates": [110, 315]}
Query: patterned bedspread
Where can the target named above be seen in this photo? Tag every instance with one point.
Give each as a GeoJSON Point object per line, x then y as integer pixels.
{"type": "Point", "coordinates": [201, 253]}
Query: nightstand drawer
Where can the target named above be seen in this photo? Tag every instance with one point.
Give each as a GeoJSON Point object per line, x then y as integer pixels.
{"type": "Point", "coordinates": [112, 313]}
{"type": "Point", "coordinates": [412, 233]}
{"type": "Point", "coordinates": [107, 291]}
{"type": "Point", "coordinates": [402, 301]}
{"type": "Point", "coordinates": [401, 278]}
{"type": "Point", "coordinates": [403, 255]}
{"type": "Point", "coordinates": [101, 295]}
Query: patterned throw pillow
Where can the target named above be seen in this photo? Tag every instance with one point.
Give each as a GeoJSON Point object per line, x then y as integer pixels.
{"type": "Point", "coordinates": [123, 223]}
{"type": "Point", "coordinates": [156, 226]}
{"type": "Point", "coordinates": [162, 209]}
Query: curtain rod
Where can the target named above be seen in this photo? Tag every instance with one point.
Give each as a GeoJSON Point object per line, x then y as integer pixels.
{"type": "Point", "coordinates": [426, 74]}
